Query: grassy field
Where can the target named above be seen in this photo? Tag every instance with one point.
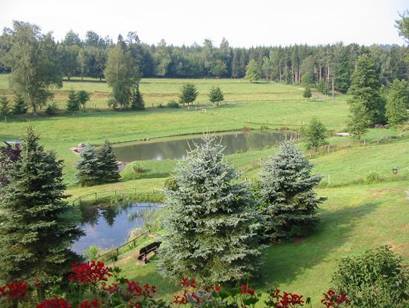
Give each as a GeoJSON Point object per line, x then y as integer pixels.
{"type": "Point", "coordinates": [161, 90]}
{"type": "Point", "coordinates": [362, 210]}
{"type": "Point", "coordinates": [255, 105]}
{"type": "Point", "coordinates": [356, 216]}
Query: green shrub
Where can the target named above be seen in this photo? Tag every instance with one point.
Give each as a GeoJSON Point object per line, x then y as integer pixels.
{"type": "Point", "coordinates": [92, 252]}
{"type": "Point", "coordinates": [373, 177]}
{"type": "Point", "coordinates": [307, 92]}
{"type": "Point", "coordinates": [375, 279]}
{"type": "Point", "coordinates": [172, 104]}
{"type": "Point", "coordinates": [51, 109]}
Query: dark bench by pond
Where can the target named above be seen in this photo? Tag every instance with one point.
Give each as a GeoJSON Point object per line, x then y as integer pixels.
{"type": "Point", "coordinates": [145, 251]}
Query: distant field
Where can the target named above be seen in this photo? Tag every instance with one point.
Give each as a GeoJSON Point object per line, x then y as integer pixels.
{"type": "Point", "coordinates": [249, 105]}
{"type": "Point", "coordinates": [160, 91]}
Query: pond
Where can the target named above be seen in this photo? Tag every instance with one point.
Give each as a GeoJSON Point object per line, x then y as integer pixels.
{"type": "Point", "coordinates": [234, 142]}
{"type": "Point", "coordinates": [110, 226]}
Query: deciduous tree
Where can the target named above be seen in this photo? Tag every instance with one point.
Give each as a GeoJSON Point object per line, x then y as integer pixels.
{"type": "Point", "coordinates": [397, 102]}
{"type": "Point", "coordinates": [33, 59]}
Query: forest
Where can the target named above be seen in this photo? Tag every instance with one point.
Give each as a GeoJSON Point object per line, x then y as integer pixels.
{"type": "Point", "coordinates": [326, 65]}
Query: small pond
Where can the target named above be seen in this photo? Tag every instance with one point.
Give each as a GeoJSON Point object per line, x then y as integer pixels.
{"type": "Point", "coordinates": [110, 226]}
{"type": "Point", "coordinates": [234, 142]}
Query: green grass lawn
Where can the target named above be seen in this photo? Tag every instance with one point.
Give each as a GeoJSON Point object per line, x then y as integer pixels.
{"type": "Point", "coordinates": [162, 90]}
{"type": "Point", "coordinates": [265, 104]}
{"type": "Point", "coordinates": [357, 215]}
{"type": "Point", "coordinates": [354, 218]}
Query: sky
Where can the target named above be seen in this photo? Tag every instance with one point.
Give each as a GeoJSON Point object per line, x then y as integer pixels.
{"type": "Point", "coordinates": [243, 23]}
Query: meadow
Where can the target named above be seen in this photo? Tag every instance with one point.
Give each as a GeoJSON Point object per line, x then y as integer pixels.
{"type": "Point", "coordinates": [247, 105]}
{"type": "Point", "coordinates": [366, 203]}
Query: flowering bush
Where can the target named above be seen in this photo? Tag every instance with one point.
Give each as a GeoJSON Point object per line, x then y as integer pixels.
{"type": "Point", "coordinates": [94, 285]}
{"type": "Point", "coordinates": [333, 300]}
{"type": "Point", "coordinates": [90, 273]}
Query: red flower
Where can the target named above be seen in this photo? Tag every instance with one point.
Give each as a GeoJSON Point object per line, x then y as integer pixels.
{"type": "Point", "coordinates": [286, 300]}
{"type": "Point", "coordinates": [3, 291]}
{"type": "Point", "coordinates": [217, 288]}
{"type": "Point", "coordinates": [111, 289]}
{"type": "Point", "coordinates": [180, 299]}
{"type": "Point", "coordinates": [332, 299]}
{"type": "Point", "coordinates": [186, 282]}
{"type": "Point", "coordinates": [90, 273]}
{"type": "Point", "coordinates": [14, 290]}
{"type": "Point", "coordinates": [245, 289]}
{"type": "Point", "coordinates": [134, 288]}
{"type": "Point", "coordinates": [54, 303]}
{"type": "Point", "coordinates": [149, 290]}
{"type": "Point", "coordinates": [195, 297]}
{"type": "Point", "coordinates": [90, 304]}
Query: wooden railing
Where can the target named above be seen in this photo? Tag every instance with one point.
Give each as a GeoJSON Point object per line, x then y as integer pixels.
{"type": "Point", "coordinates": [118, 196]}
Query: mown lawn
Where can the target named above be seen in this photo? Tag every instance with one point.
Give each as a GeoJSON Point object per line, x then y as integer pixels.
{"type": "Point", "coordinates": [162, 90]}
{"type": "Point", "coordinates": [271, 105]}
{"type": "Point", "coordinates": [357, 215]}
{"type": "Point", "coordinates": [354, 218]}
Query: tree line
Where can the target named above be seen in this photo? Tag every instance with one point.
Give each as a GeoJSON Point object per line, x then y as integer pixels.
{"type": "Point", "coordinates": [323, 64]}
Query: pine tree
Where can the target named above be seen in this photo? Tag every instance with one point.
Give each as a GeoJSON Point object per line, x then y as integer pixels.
{"type": "Point", "coordinates": [20, 106]}
{"type": "Point", "coordinates": [216, 95]}
{"type": "Point", "coordinates": [365, 90]}
{"type": "Point", "coordinates": [35, 234]}
{"type": "Point", "coordinates": [290, 202]}
{"type": "Point", "coordinates": [107, 164]}
{"type": "Point", "coordinates": [211, 232]}
{"type": "Point", "coordinates": [189, 94]}
{"type": "Point", "coordinates": [137, 102]}
{"type": "Point", "coordinates": [73, 104]}
{"type": "Point", "coordinates": [315, 134]}
{"type": "Point", "coordinates": [88, 167]}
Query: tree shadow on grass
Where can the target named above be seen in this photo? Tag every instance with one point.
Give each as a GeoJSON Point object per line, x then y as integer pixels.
{"type": "Point", "coordinates": [282, 263]}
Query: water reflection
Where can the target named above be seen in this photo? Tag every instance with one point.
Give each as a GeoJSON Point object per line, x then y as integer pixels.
{"type": "Point", "coordinates": [109, 226]}
{"type": "Point", "coordinates": [176, 149]}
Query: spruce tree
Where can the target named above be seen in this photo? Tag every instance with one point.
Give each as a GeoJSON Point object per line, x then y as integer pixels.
{"type": "Point", "coordinates": [88, 167]}
{"type": "Point", "coordinates": [35, 234]}
{"type": "Point", "coordinates": [289, 201]}
{"type": "Point", "coordinates": [73, 104]}
{"type": "Point", "coordinates": [107, 164]}
{"type": "Point", "coordinates": [216, 95]}
{"type": "Point", "coordinates": [20, 106]}
{"type": "Point", "coordinates": [211, 231]}
{"type": "Point", "coordinates": [137, 102]}
{"type": "Point", "coordinates": [189, 94]}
